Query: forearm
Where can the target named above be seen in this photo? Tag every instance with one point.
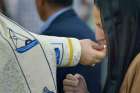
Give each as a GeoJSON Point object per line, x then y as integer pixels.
{"type": "Point", "coordinates": [67, 50]}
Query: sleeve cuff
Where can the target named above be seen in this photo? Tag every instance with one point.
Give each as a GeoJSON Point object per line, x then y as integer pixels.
{"type": "Point", "coordinates": [74, 51]}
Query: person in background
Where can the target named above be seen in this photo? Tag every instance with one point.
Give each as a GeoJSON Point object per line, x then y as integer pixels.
{"type": "Point", "coordinates": [61, 20]}
{"type": "Point", "coordinates": [24, 13]}
{"type": "Point", "coordinates": [101, 39]}
{"type": "Point", "coordinates": [83, 8]}
{"type": "Point", "coordinates": [121, 20]}
{"type": "Point", "coordinates": [76, 83]}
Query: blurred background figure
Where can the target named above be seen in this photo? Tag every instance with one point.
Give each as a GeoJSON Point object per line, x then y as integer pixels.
{"type": "Point", "coordinates": [90, 13]}
{"type": "Point", "coordinates": [24, 12]}
{"type": "Point", "coordinates": [101, 39]}
{"type": "Point", "coordinates": [84, 9]}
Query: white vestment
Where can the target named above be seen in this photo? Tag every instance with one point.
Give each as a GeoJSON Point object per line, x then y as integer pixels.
{"type": "Point", "coordinates": [28, 61]}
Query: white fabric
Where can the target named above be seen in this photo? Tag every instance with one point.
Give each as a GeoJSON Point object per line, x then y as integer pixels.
{"type": "Point", "coordinates": [31, 67]}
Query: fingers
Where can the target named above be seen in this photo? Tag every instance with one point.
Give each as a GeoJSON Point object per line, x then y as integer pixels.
{"type": "Point", "coordinates": [91, 52]}
{"type": "Point", "coordinates": [78, 76]}
{"type": "Point", "coordinates": [94, 45]}
{"type": "Point", "coordinates": [80, 87]}
{"type": "Point", "coordinates": [70, 81]}
{"type": "Point", "coordinates": [97, 46]}
{"type": "Point", "coordinates": [81, 80]}
{"type": "Point", "coordinates": [97, 55]}
{"type": "Point", "coordinates": [70, 77]}
{"type": "Point", "coordinates": [69, 89]}
{"type": "Point", "coordinates": [70, 84]}
{"type": "Point", "coordinates": [99, 50]}
{"type": "Point", "coordinates": [100, 54]}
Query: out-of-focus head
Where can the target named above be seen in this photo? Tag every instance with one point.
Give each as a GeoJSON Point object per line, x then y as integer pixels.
{"type": "Point", "coordinates": [97, 16]}
{"type": "Point", "coordinates": [100, 36]}
{"type": "Point", "coordinates": [83, 8]}
{"type": "Point", "coordinates": [46, 7]}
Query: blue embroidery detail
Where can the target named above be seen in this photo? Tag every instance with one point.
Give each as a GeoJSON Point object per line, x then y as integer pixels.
{"type": "Point", "coordinates": [57, 53]}
{"type": "Point", "coordinates": [46, 90]}
{"type": "Point", "coordinates": [28, 41]}
{"type": "Point", "coordinates": [29, 44]}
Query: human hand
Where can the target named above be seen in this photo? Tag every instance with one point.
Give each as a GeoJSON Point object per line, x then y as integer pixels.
{"type": "Point", "coordinates": [91, 52]}
{"type": "Point", "coordinates": [75, 84]}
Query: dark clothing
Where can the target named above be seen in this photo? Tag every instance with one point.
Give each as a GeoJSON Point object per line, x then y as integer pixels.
{"type": "Point", "coordinates": [121, 21]}
{"type": "Point", "coordinates": [68, 24]}
{"type": "Point", "coordinates": [2, 6]}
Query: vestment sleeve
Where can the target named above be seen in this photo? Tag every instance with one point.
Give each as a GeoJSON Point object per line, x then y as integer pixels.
{"type": "Point", "coordinates": [67, 51]}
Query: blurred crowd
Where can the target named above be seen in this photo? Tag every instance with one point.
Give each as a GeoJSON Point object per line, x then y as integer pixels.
{"type": "Point", "coordinates": [24, 12]}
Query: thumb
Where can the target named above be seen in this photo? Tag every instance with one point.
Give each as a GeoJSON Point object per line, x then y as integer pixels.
{"type": "Point", "coordinates": [80, 78]}
{"type": "Point", "coordinates": [96, 46]}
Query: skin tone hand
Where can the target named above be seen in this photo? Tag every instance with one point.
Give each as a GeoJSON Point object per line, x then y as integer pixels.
{"type": "Point", "coordinates": [91, 52]}
{"type": "Point", "coordinates": [75, 84]}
